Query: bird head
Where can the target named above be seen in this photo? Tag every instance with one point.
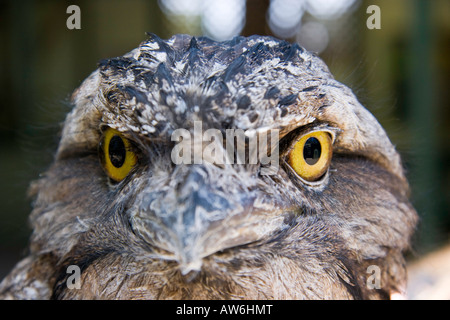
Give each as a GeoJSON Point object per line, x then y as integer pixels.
{"type": "Point", "coordinates": [160, 188]}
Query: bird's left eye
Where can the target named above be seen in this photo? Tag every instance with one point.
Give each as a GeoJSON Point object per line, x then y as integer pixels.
{"type": "Point", "coordinates": [116, 155]}
{"type": "Point", "coordinates": [311, 155]}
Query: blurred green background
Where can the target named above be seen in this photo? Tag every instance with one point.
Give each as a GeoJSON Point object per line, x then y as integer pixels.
{"type": "Point", "coordinates": [400, 72]}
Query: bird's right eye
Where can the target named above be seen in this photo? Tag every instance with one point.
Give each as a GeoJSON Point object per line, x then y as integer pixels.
{"type": "Point", "coordinates": [116, 155]}
{"type": "Point", "coordinates": [311, 155]}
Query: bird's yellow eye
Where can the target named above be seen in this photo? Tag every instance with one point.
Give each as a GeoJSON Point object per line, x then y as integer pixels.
{"type": "Point", "coordinates": [311, 155]}
{"type": "Point", "coordinates": [116, 155]}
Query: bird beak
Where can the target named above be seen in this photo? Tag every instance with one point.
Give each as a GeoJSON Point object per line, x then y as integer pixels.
{"type": "Point", "coordinates": [198, 217]}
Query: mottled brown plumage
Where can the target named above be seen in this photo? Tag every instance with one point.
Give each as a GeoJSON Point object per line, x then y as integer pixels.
{"type": "Point", "coordinates": [204, 231]}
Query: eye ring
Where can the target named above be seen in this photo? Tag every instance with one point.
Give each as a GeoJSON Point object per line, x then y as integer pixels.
{"type": "Point", "coordinates": [311, 155]}
{"type": "Point", "coordinates": [116, 155]}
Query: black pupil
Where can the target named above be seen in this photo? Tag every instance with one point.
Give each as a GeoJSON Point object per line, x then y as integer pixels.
{"type": "Point", "coordinates": [312, 151]}
{"type": "Point", "coordinates": [117, 151]}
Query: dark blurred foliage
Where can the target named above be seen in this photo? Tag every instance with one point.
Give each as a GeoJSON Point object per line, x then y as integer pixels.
{"type": "Point", "coordinates": [401, 73]}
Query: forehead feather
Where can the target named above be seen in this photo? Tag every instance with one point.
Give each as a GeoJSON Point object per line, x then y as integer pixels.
{"type": "Point", "coordinates": [244, 83]}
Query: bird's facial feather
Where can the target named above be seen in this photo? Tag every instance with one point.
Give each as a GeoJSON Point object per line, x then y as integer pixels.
{"type": "Point", "coordinates": [215, 218]}
{"type": "Point", "coordinates": [242, 84]}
